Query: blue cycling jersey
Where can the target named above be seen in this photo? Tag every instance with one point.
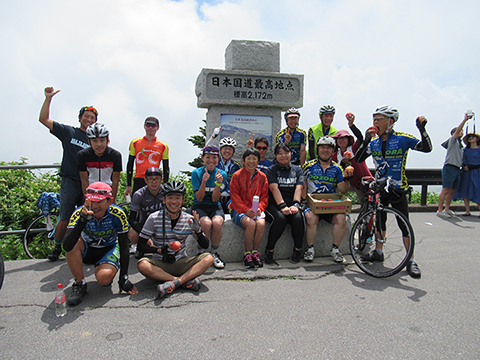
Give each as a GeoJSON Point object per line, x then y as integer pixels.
{"type": "Point", "coordinates": [103, 232]}
{"type": "Point", "coordinates": [299, 138]}
{"type": "Point", "coordinates": [393, 162]}
{"type": "Point", "coordinates": [230, 169]}
{"type": "Point", "coordinates": [320, 180]}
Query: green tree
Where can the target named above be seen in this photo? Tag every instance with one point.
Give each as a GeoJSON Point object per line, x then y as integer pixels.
{"type": "Point", "coordinates": [199, 142]}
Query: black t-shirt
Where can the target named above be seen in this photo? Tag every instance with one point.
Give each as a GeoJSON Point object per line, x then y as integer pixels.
{"type": "Point", "coordinates": [100, 168]}
{"type": "Point", "coordinates": [287, 179]}
{"type": "Point", "coordinates": [73, 140]}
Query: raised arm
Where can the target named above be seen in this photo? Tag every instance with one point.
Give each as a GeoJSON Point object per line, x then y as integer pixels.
{"type": "Point", "coordinates": [44, 117]}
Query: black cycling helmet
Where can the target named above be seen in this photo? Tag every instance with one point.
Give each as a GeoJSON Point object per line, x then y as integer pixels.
{"type": "Point", "coordinates": [173, 187]}
{"type": "Point", "coordinates": [97, 130]}
{"type": "Point", "coordinates": [291, 111]}
{"type": "Point", "coordinates": [153, 171]}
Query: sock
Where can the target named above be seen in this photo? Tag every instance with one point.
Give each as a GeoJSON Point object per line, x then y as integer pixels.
{"type": "Point", "coordinates": [215, 248]}
{"type": "Point", "coordinates": [246, 253]}
{"type": "Point", "coordinates": [58, 242]}
{"type": "Point", "coordinates": [176, 283]}
{"type": "Point", "coordinates": [379, 251]}
{"type": "Point", "coordinates": [82, 281]}
{"type": "Point", "coordinates": [334, 246]}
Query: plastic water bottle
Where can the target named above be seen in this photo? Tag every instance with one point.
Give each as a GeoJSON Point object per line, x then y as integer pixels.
{"type": "Point", "coordinates": [255, 202]}
{"type": "Point", "coordinates": [60, 302]}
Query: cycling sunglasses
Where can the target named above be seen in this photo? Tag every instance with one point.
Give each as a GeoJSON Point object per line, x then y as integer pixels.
{"type": "Point", "coordinates": [210, 150]}
{"type": "Point", "coordinates": [90, 108]}
{"type": "Point", "coordinates": [100, 192]}
{"type": "Point", "coordinates": [262, 147]}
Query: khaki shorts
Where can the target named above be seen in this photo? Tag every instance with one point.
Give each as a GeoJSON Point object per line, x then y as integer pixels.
{"type": "Point", "coordinates": [179, 267]}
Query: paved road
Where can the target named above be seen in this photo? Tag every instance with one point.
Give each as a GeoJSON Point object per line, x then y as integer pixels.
{"type": "Point", "coordinates": [321, 311]}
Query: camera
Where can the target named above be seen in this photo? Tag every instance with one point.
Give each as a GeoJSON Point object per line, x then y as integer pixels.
{"type": "Point", "coordinates": [470, 113]}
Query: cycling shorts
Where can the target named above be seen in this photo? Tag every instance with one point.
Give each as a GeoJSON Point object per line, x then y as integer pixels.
{"type": "Point", "coordinates": [104, 255]}
{"type": "Point", "coordinates": [209, 210]}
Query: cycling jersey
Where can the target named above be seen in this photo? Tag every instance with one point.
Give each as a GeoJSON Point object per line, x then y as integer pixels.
{"type": "Point", "coordinates": [393, 159]}
{"type": "Point", "coordinates": [100, 168]}
{"type": "Point", "coordinates": [197, 176]}
{"type": "Point", "coordinates": [264, 165]}
{"type": "Point", "coordinates": [230, 168]}
{"type": "Point", "coordinates": [147, 154]}
{"type": "Point", "coordinates": [144, 203]}
{"type": "Point", "coordinates": [287, 178]}
{"type": "Point", "coordinates": [322, 181]}
{"type": "Point", "coordinates": [299, 138]}
{"type": "Point", "coordinates": [103, 232]}
{"type": "Point", "coordinates": [314, 133]}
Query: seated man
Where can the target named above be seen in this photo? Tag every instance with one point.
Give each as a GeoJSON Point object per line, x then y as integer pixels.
{"type": "Point", "coordinates": [97, 235]}
{"type": "Point", "coordinates": [322, 175]}
{"type": "Point", "coordinates": [168, 229]}
{"type": "Point", "coordinates": [145, 202]}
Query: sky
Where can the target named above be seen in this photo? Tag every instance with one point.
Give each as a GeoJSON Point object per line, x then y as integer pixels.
{"type": "Point", "coordinates": [137, 58]}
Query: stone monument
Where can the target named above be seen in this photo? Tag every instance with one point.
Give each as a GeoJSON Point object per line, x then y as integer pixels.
{"type": "Point", "coordinates": [250, 94]}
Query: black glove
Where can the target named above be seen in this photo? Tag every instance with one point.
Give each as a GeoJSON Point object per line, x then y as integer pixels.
{"type": "Point", "coordinates": [420, 125]}
{"type": "Point", "coordinates": [125, 284]}
{"type": "Point", "coordinates": [85, 218]}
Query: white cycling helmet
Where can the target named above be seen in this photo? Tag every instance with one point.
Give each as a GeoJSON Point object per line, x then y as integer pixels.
{"type": "Point", "coordinates": [97, 130]}
{"type": "Point", "coordinates": [291, 111]}
{"type": "Point", "coordinates": [326, 109]}
{"type": "Point", "coordinates": [228, 141]}
{"type": "Point", "coordinates": [326, 140]}
{"type": "Point", "coordinates": [389, 112]}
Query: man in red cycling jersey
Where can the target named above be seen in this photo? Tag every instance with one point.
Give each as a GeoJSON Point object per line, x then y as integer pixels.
{"type": "Point", "coordinates": [146, 152]}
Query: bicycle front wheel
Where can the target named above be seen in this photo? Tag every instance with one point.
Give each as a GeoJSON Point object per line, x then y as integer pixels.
{"type": "Point", "coordinates": [396, 238]}
{"type": "Point", "coordinates": [38, 241]}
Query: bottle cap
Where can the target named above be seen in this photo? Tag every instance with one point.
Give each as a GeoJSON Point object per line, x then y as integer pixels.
{"type": "Point", "coordinates": [59, 286]}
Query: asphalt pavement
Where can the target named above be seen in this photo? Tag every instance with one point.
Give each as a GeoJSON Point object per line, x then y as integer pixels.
{"type": "Point", "coordinates": [318, 310]}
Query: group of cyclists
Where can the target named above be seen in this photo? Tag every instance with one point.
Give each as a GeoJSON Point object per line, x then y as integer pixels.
{"type": "Point", "coordinates": [257, 189]}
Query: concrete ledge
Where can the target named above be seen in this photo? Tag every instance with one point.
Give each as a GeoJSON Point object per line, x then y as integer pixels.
{"type": "Point", "coordinates": [232, 245]}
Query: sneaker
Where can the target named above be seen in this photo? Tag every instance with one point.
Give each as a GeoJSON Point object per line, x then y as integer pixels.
{"type": "Point", "coordinates": [217, 262]}
{"type": "Point", "coordinates": [193, 284]}
{"type": "Point", "coordinates": [165, 289]}
{"type": "Point", "coordinates": [309, 254]}
{"type": "Point", "coordinates": [133, 249]}
{"type": "Point", "coordinates": [78, 292]}
{"type": "Point", "coordinates": [337, 255]}
{"type": "Point", "coordinates": [413, 269]}
{"type": "Point", "coordinates": [372, 256]}
{"type": "Point", "coordinates": [296, 256]}
{"type": "Point", "coordinates": [139, 255]}
{"type": "Point", "coordinates": [55, 254]}
{"type": "Point", "coordinates": [256, 259]}
{"type": "Point", "coordinates": [443, 214]}
{"type": "Point", "coordinates": [248, 262]}
{"type": "Point", "coordinates": [451, 212]}
{"type": "Point", "coordinates": [269, 257]}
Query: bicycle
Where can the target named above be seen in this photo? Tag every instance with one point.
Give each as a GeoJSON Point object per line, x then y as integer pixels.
{"type": "Point", "coordinates": [384, 225]}
{"type": "Point", "coordinates": [38, 236]}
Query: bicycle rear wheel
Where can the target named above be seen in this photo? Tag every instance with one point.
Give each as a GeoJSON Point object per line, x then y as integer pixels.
{"type": "Point", "coordinates": [37, 240]}
{"type": "Point", "coordinates": [395, 252]}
